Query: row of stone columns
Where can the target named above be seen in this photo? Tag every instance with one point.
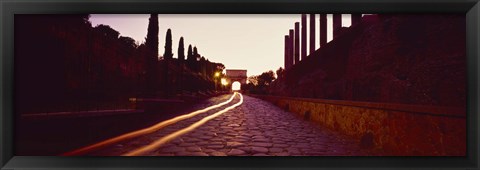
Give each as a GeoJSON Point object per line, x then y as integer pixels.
{"type": "Point", "coordinates": [292, 40]}
{"type": "Point", "coordinates": [323, 29]}
{"type": "Point", "coordinates": [337, 24]}
{"type": "Point", "coordinates": [304, 36]}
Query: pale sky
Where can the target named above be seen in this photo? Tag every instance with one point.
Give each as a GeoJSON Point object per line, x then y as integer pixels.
{"type": "Point", "coordinates": [254, 42]}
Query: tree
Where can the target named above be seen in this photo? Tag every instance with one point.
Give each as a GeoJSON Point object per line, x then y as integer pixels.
{"type": "Point", "coordinates": [190, 59]}
{"type": "Point", "coordinates": [189, 53]}
{"type": "Point", "coordinates": [151, 56]}
{"type": "Point", "coordinates": [193, 58]}
{"type": "Point", "coordinates": [181, 58]}
{"type": "Point", "coordinates": [203, 66]}
{"type": "Point", "coordinates": [220, 66]}
{"type": "Point", "coordinates": [107, 31]}
{"type": "Point", "coordinates": [195, 54]}
{"type": "Point", "coordinates": [168, 45]}
{"type": "Point", "coordinates": [85, 18]}
{"type": "Point", "coordinates": [181, 50]}
{"type": "Point", "coordinates": [253, 80]}
{"type": "Point", "coordinates": [75, 21]}
{"type": "Point", "coordinates": [129, 42]}
{"type": "Point", "coordinates": [259, 84]}
{"type": "Point", "coordinates": [266, 78]}
{"type": "Point", "coordinates": [152, 35]}
{"type": "Point", "coordinates": [280, 72]}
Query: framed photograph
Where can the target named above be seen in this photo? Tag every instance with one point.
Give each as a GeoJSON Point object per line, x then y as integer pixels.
{"type": "Point", "coordinates": [239, 84]}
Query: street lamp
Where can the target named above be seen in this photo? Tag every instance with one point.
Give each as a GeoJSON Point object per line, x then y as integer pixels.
{"type": "Point", "coordinates": [217, 74]}
{"type": "Point", "coordinates": [224, 82]}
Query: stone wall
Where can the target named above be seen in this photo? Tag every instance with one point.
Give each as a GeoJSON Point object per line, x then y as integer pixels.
{"type": "Point", "coordinates": [398, 129]}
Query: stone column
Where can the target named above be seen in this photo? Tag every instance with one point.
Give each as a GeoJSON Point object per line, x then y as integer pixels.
{"type": "Point", "coordinates": [356, 18]}
{"type": "Point", "coordinates": [286, 59]}
{"type": "Point", "coordinates": [323, 29]}
{"type": "Point", "coordinates": [312, 33]}
{"type": "Point", "coordinates": [304, 36]}
{"type": "Point", "coordinates": [337, 24]}
{"type": "Point", "coordinates": [291, 45]}
{"type": "Point", "coordinates": [297, 43]}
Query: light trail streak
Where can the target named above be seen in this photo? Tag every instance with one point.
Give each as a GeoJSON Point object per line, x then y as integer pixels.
{"type": "Point", "coordinates": [180, 132]}
{"type": "Point", "coordinates": [144, 131]}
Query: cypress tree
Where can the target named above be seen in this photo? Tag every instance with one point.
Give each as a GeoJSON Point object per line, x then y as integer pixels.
{"type": "Point", "coordinates": [195, 58]}
{"type": "Point", "coordinates": [203, 66]}
{"type": "Point", "coordinates": [152, 35]}
{"type": "Point", "coordinates": [195, 53]}
{"type": "Point", "coordinates": [168, 46]}
{"type": "Point", "coordinates": [181, 50]}
{"type": "Point", "coordinates": [151, 55]}
{"type": "Point", "coordinates": [190, 61]}
{"type": "Point", "coordinates": [181, 58]}
{"type": "Point", "coordinates": [189, 53]}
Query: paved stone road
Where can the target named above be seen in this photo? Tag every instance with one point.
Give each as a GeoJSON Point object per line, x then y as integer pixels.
{"type": "Point", "coordinates": [255, 128]}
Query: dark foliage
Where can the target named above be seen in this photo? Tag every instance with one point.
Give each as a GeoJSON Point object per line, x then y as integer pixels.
{"type": "Point", "coordinates": [181, 50]}
{"type": "Point", "coordinates": [259, 84]}
{"type": "Point", "coordinates": [107, 31]}
{"type": "Point", "coordinates": [168, 55]}
{"type": "Point", "coordinates": [65, 64]}
{"type": "Point", "coordinates": [151, 56]}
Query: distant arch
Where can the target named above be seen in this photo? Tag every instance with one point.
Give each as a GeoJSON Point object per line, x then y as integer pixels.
{"type": "Point", "coordinates": [237, 75]}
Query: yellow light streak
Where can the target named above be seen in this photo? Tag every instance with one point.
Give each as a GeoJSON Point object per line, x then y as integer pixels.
{"type": "Point", "coordinates": [144, 131]}
{"type": "Point", "coordinates": [180, 132]}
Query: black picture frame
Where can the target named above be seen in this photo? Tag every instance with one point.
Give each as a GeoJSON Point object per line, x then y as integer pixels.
{"type": "Point", "coordinates": [9, 8]}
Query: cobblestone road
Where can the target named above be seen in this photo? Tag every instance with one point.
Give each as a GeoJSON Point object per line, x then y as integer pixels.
{"type": "Point", "coordinates": [255, 128]}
